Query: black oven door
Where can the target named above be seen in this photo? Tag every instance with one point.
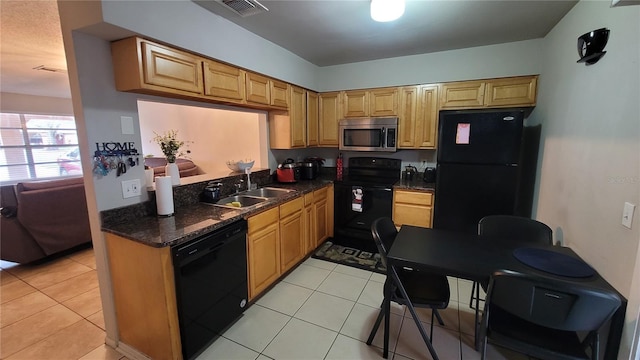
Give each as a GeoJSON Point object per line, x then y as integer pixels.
{"type": "Point", "coordinates": [357, 206]}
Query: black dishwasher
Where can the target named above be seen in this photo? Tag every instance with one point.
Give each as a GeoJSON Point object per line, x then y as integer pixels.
{"type": "Point", "coordinates": [211, 285]}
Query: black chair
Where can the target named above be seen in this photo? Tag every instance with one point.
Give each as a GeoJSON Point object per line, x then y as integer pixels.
{"type": "Point", "coordinates": [544, 317]}
{"type": "Point", "coordinates": [511, 228]}
{"type": "Point", "coordinates": [423, 289]}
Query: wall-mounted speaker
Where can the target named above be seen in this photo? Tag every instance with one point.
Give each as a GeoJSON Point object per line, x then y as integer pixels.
{"type": "Point", "coordinates": [591, 46]}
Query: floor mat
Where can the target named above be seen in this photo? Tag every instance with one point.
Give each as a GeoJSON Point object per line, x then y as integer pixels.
{"type": "Point", "coordinates": [346, 253]}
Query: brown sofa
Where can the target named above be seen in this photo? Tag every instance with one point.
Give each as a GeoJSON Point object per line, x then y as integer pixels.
{"type": "Point", "coordinates": [185, 166]}
{"type": "Point", "coordinates": [42, 218]}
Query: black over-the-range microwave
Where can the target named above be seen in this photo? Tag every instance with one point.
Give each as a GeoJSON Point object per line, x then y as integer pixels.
{"type": "Point", "coordinates": [369, 134]}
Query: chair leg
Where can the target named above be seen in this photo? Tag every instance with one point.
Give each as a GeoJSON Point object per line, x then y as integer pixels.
{"type": "Point", "coordinates": [433, 311]}
{"type": "Point", "coordinates": [438, 317]}
{"type": "Point", "coordinates": [375, 327]}
{"type": "Point", "coordinates": [473, 290]}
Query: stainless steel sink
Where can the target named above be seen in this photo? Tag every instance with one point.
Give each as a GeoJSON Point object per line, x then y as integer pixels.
{"type": "Point", "coordinates": [240, 201]}
{"type": "Point", "coordinates": [267, 192]}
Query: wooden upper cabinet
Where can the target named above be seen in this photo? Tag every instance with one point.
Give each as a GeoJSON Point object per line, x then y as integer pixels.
{"type": "Point", "coordinates": [383, 102]}
{"type": "Point", "coordinates": [408, 116]}
{"type": "Point", "coordinates": [297, 111]}
{"type": "Point", "coordinates": [418, 118]}
{"type": "Point", "coordinates": [148, 67]}
{"type": "Point", "coordinates": [517, 91]}
{"type": "Point", "coordinates": [371, 102]}
{"type": "Point", "coordinates": [329, 108]}
{"type": "Point", "coordinates": [279, 93]}
{"type": "Point", "coordinates": [427, 117]}
{"type": "Point", "coordinates": [312, 118]}
{"type": "Point", "coordinates": [356, 103]}
{"type": "Point", "coordinates": [462, 95]}
{"type": "Point", "coordinates": [224, 82]}
{"type": "Point", "coordinates": [258, 89]}
{"type": "Point", "coordinates": [490, 93]}
{"type": "Point", "coordinates": [288, 129]}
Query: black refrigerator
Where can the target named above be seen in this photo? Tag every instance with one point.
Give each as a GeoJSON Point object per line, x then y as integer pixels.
{"type": "Point", "coordinates": [486, 166]}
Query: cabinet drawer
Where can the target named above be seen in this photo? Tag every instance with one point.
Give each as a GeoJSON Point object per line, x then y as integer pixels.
{"type": "Point", "coordinates": [261, 220]}
{"type": "Point", "coordinates": [320, 195]}
{"type": "Point", "coordinates": [308, 199]}
{"type": "Point", "coordinates": [290, 207]}
{"type": "Point", "coordinates": [409, 214]}
{"type": "Point", "coordinates": [414, 197]}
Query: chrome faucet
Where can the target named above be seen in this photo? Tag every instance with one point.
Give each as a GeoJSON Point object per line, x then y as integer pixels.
{"type": "Point", "coordinates": [238, 186]}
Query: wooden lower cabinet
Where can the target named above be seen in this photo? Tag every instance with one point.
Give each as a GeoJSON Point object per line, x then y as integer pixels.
{"type": "Point", "coordinates": [310, 241]}
{"type": "Point", "coordinates": [412, 207]}
{"type": "Point", "coordinates": [323, 215]}
{"type": "Point", "coordinates": [263, 250]}
{"type": "Point", "coordinates": [145, 297]}
{"type": "Point", "coordinates": [292, 232]}
{"type": "Point", "coordinates": [281, 237]}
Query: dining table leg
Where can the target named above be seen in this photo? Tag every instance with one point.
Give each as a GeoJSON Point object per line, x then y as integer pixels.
{"type": "Point", "coordinates": [412, 310]}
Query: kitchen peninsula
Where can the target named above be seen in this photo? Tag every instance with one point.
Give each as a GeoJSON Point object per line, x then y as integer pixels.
{"type": "Point", "coordinates": [282, 231]}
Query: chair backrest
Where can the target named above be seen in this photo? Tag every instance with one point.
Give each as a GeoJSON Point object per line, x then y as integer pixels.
{"type": "Point", "coordinates": [551, 303]}
{"type": "Point", "coordinates": [520, 229]}
{"type": "Point", "coordinates": [384, 233]}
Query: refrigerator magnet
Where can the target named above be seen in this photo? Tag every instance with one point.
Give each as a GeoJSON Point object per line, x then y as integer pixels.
{"type": "Point", "coordinates": [462, 133]}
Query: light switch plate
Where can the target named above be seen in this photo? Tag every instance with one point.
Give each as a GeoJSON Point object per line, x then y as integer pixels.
{"type": "Point", "coordinates": [126, 123]}
{"type": "Point", "coordinates": [131, 188]}
{"type": "Point", "coordinates": [627, 214]}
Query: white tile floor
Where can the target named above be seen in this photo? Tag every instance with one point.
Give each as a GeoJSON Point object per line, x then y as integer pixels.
{"type": "Point", "coordinates": [323, 310]}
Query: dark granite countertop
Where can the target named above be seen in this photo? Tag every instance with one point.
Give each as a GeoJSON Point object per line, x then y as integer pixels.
{"type": "Point", "coordinates": [415, 185]}
{"type": "Point", "coordinates": [194, 219]}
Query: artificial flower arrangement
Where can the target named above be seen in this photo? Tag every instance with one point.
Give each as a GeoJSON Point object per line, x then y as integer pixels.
{"type": "Point", "coordinates": [170, 145]}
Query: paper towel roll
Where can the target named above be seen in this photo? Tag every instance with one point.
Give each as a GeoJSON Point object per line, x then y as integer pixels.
{"type": "Point", "coordinates": [164, 195]}
{"type": "Point", "coordinates": [148, 175]}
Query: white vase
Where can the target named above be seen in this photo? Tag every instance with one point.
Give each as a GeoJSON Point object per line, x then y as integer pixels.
{"type": "Point", "coordinates": [171, 169]}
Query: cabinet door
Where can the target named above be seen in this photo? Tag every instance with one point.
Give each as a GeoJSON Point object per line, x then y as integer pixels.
{"type": "Point", "coordinates": [408, 117]}
{"type": "Point", "coordinates": [312, 118]}
{"type": "Point", "coordinates": [264, 259]}
{"type": "Point", "coordinates": [258, 89]}
{"type": "Point", "coordinates": [170, 68]}
{"type": "Point", "coordinates": [223, 82]}
{"type": "Point", "coordinates": [462, 95]}
{"type": "Point", "coordinates": [329, 116]}
{"type": "Point", "coordinates": [263, 250]}
{"type": "Point", "coordinates": [518, 91]}
{"type": "Point", "coordinates": [291, 234]}
{"type": "Point", "coordinates": [427, 117]}
{"type": "Point", "coordinates": [298, 119]}
{"type": "Point", "coordinates": [309, 224]}
{"type": "Point", "coordinates": [383, 102]}
{"type": "Point", "coordinates": [279, 93]}
{"type": "Point", "coordinates": [356, 103]}
{"type": "Point", "coordinates": [321, 210]}
{"type": "Point", "coordinates": [412, 208]}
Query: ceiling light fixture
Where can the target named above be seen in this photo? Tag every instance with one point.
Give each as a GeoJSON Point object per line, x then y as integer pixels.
{"type": "Point", "coordinates": [386, 10]}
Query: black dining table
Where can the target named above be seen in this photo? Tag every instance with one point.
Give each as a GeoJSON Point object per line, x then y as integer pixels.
{"type": "Point", "coordinates": [473, 257]}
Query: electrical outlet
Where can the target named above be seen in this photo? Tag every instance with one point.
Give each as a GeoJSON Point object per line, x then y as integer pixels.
{"type": "Point", "coordinates": [131, 188]}
{"type": "Point", "coordinates": [627, 214]}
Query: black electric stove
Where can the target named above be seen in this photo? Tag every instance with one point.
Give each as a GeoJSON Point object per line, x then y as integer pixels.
{"type": "Point", "coordinates": [364, 194]}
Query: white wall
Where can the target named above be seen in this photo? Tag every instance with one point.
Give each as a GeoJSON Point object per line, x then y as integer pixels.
{"type": "Point", "coordinates": [32, 104]}
{"type": "Point", "coordinates": [215, 136]}
{"type": "Point", "coordinates": [511, 59]}
{"type": "Point", "coordinates": [590, 152]}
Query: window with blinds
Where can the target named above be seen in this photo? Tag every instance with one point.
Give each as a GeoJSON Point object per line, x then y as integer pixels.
{"type": "Point", "coordinates": [37, 147]}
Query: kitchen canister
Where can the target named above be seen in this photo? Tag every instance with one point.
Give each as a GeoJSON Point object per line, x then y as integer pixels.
{"type": "Point", "coordinates": [148, 177]}
{"type": "Point", "coordinates": [164, 195]}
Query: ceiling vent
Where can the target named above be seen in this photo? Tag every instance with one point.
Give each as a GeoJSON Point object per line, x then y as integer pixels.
{"type": "Point", "coordinates": [244, 8]}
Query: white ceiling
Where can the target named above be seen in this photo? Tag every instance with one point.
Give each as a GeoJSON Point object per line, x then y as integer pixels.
{"type": "Point", "coordinates": [324, 32]}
